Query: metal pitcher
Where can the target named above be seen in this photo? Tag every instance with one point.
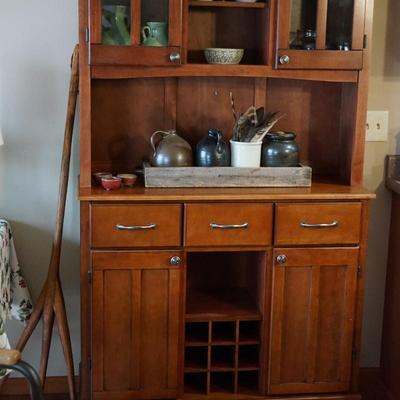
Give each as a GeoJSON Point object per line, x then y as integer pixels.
{"type": "Point", "coordinates": [170, 150]}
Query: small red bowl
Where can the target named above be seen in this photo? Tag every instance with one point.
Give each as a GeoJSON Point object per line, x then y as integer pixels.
{"type": "Point", "coordinates": [99, 175]}
{"type": "Point", "coordinates": [111, 183]}
{"type": "Point", "coordinates": [128, 179]}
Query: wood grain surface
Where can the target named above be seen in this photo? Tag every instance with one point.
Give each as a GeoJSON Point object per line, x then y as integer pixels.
{"type": "Point", "coordinates": [199, 218]}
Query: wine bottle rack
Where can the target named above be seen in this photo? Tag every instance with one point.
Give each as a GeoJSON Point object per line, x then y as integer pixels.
{"type": "Point", "coordinates": [222, 356]}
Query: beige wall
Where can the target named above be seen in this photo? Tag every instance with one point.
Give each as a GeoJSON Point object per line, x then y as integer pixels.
{"type": "Point", "coordinates": [37, 38]}
{"type": "Point", "coordinates": [384, 94]}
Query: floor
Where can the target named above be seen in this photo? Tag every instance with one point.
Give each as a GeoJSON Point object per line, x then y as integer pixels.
{"type": "Point", "coordinates": [371, 388]}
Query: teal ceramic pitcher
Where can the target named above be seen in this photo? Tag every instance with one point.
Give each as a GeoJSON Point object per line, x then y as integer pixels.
{"type": "Point", "coordinates": [116, 25]}
{"type": "Point", "coordinates": [155, 34]}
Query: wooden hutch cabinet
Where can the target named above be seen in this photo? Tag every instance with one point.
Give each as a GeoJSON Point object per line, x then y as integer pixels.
{"type": "Point", "coordinates": [172, 305]}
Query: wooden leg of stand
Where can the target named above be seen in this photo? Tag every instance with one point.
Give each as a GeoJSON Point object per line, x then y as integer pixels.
{"type": "Point", "coordinates": [48, 323]}
{"type": "Point", "coordinates": [47, 304]}
{"type": "Point", "coordinates": [62, 323]}
{"type": "Point", "coordinates": [29, 328]}
{"type": "Point", "coordinates": [32, 323]}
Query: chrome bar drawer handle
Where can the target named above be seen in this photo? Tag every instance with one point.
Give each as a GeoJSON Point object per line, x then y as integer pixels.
{"type": "Point", "coordinates": [333, 224]}
{"type": "Point", "coordinates": [121, 227]}
{"type": "Point", "coordinates": [219, 226]}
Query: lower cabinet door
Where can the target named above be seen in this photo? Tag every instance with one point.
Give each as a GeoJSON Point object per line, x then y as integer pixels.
{"type": "Point", "coordinates": [314, 297]}
{"type": "Point", "coordinates": [136, 324]}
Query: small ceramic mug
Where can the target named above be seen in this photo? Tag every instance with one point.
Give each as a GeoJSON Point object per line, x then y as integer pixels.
{"type": "Point", "coordinates": [155, 34]}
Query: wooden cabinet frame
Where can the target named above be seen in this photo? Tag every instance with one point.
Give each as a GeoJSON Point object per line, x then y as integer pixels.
{"type": "Point", "coordinates": [341, 77]}
{"type": "Point", "coordinates": [135, 53]}
{"type": "Point", "coordinates": [320, 58]}
{"type": "Point", "coordinates": [303, 317]}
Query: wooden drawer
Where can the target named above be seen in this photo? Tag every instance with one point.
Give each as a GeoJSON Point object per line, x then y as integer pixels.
{"type": "Point", "coordinates": [136, 225]}
{"type": "Point", "coordinates": [228, 224]}
{"type": "Point", "coordinates": [317, 223]}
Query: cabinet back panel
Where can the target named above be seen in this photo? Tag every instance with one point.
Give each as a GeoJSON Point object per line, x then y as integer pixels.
{"type": "Point", "coordinates": [124, 115]}
{"type": "Point", "coordinates": [227, 271]}
{"type": "Point", "coordinates": [218, 27]}
{"type": "Point", "coordinates": [313, 112]}
{"type": "Point", "coordinates": [204, 103]}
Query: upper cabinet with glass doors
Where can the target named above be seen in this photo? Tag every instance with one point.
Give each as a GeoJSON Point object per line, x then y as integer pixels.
{"type": "Point", "coordinates": [135, 32]}
{"type": "Point", "coordinates": [320, 34]}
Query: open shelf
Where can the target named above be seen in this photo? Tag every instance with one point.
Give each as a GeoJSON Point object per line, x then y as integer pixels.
{"type": "Point", "coordinates": [225, 286]}
{"type": "Point", "coordinates": [223, 332]}
{"type": "Point", "coordinates": [215, 24]}
{"type": "Point", "coordinates": [221, 304]}
{"type": "Point", "coordinates": [248, 382]}
{"type": "Point", "coordinates": [196, 359]}
{"type": "Point", "coordinates": [249, 358]}
{"type": "Point", "coordinates": [195, 383]}
{"type": "Point", "coordinates": [224, 313]}
{"type": "Point", "coordinates": [227, 4]}
{"type": "Point", "coordinates": [222, 382]}
{"type": "Point", "coordinates": [249, 332]}
{"type": "Point", "coordinates": [222, 358]}
{"type": "Point", "coordinates": [197, 334]}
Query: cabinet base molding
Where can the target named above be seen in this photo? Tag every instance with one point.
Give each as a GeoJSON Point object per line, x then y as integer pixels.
{"type": "Point", "coordinates": [221, 396]}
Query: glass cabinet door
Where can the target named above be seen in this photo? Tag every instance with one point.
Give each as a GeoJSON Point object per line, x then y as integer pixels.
{"type": "Point", "coordinates": [135, 32]}
{"type": "Point", "coordinates": [116, 22]}
{"type": "Point", "coordinates": [320, 34]}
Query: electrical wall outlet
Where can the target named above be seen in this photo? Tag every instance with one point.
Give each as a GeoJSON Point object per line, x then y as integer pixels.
{"type": "Point", "coordinates": [377, 126]}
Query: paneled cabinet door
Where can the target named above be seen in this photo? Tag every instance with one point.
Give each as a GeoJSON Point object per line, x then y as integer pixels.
{"type": "Point", "coordinates": [136, 324]}
{"type": "Point", "coordinates": [314, 298]}
{"type": "Point", "coordinates": [135, 32]}
{"type": "Point", "coordinates": [320, 34]}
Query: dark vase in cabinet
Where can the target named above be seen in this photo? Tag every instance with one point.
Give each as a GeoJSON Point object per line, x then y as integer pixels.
{"type": "Point", "coordinates": [314, 298]}
{"type": "Point", "coordinates": [324, 34]}
{"type": "Point", "coordinates": [137, 324]}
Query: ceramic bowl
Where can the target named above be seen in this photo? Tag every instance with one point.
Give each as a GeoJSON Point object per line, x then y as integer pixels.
{"type": "Point", "coordinates": [127, 179]}
{"type": "Point", "coordinates": [98, 175]}
{"type": "Point", "coordinates": [111, 183]}
{"type": "Point", "coordinates": [223, 56]}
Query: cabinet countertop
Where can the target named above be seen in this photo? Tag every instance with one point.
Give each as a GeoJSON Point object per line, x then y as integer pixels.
{"type": "Point", "coordinates": [318, 191]}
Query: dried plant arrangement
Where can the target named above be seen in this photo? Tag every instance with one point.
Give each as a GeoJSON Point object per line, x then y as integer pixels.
{"type": "Point", "coordinates": [254, 124]}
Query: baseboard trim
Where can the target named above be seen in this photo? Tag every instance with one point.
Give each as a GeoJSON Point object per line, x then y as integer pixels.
{"type": "Point", "coordinates": [59, 384]}
{"type": "Point", "coordinates": [19, 386]}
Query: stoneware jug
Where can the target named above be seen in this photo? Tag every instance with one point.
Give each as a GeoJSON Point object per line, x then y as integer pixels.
{"type": "Point", "coordinates": [280, 150]}
{"type": "Point", "coordinates": [170, 150]}
{"type": "Point", "coordinates": [212, 151]}
{"type": "Point", "coordinates": [154, 34]}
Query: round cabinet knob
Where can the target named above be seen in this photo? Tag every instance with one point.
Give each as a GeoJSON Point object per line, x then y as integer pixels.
{"type": "Point", "coordinates": [175, 261]}
{"type": "Point", "coordinates": [281, 259]}
{"type": "Point", "coordinates": [285, 59]}
{"type": "Point", "coordinates": [174, 57]}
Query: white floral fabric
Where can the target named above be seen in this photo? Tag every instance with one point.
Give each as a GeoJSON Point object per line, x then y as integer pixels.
{"type": "Point", "coordinates": [15, 300]}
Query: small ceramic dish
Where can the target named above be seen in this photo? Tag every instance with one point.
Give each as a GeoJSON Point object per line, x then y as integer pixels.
{"type": "Point", "coordinates": [223, 56]}
{"type": "Point", "coordinates": [111, 183]}
{"type": "Point", "coordinates": [127, 179]}
{"type": "Point", "coordinates": [98, 175]}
